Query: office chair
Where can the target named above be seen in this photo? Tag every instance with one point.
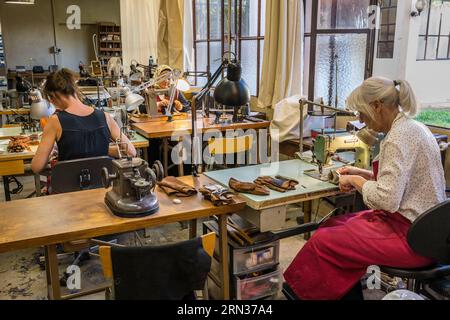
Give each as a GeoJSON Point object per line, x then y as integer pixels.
{"type": "Point", "coordinates": [169, 272]}
{"type": "Point", "coordinates": [429, 236]}
{"type": "Point", "coordinates": [225, 147]}
{"type": "Point", "coordinates": [73, 176]}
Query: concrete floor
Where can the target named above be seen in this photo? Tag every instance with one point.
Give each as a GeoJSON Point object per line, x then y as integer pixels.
{"type": "Point", "coordinates": [21, 277]}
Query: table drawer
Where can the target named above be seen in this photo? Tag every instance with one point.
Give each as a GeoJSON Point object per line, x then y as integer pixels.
{"type": "Point", "coordinates": [11, 168]}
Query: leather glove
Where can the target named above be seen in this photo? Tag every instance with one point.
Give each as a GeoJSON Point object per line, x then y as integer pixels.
{"type": "Point", "coordinates": [248, 187]}
{"type": "Point", "coordinates": [278, 183]}
{"type": "Point", "coordinates": [218, 195]}
{"type": "Point", "coordinates": [173, 186]}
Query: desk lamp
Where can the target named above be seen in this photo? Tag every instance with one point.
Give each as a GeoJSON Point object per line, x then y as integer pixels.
{"type": "Point", "coordinates": [40, 108]}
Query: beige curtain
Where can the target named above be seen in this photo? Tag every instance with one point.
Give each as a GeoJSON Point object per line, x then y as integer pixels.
{"type": "Point", "coordinates": [170, 33]}
{"type": "Point", "coordinates": [282, 72]}
{"type": "Point", "coordinates": [139, 20]}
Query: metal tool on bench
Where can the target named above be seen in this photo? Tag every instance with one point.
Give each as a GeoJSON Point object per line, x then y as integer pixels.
{"type": "Point", "coordinates": [134, 182]}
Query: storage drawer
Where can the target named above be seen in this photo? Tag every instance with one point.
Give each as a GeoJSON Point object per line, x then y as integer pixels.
{"type": "Point", "coordinates": [249, 260]}
{"type": "Point", "coordinates": [255, 288]}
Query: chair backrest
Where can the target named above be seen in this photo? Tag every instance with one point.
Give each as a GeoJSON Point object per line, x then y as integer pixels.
{"type": "Point", "coordinates": [429, 235]}
{"type": "Point", "coordinates": [208, 244]}
{"type": "Point", "coordinates": [79, 175]}
{"type": "Point", "coordinates": [223, 146]}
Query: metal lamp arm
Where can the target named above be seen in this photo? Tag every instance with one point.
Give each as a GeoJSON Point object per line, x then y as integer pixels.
{"type": "Point", "coordinates": [152, 82]}
{"type": "Point", "coordinates": [211, 82]}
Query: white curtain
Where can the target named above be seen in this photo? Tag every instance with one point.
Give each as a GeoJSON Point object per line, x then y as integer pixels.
{"type": "Point", "coordinates": [139, 20]}
{"type": "Point", "coordinates": [189, 60]}
{"type": "Point", "coordinates": [282, 72]}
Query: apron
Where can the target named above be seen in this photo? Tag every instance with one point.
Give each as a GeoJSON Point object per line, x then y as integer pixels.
{"type": "Point", "coordinates": [340, 251]}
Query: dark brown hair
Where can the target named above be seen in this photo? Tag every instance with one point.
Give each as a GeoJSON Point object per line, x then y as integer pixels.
{"type": "Point", "coordinates": [61, 82]}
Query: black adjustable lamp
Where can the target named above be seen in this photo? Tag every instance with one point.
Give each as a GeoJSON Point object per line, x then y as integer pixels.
{"type": "Point", "coordinates": [232, 91]}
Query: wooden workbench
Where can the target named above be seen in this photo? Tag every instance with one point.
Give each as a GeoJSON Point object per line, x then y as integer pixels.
{"type": "Point", "coordinates": [48, 221]}
{"type": "Point", "coordinates": [13, 164]}
{"type": "Point", "coordinates": [165, 129]}
{"type": "Point", "coordinates": [13, 112]}
{"type": "Point", "coordinates": [179, 128]}
{"type": "Point", "coordinates": [269, 212]}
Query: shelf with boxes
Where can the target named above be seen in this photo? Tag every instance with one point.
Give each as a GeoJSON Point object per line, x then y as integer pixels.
{"type": "Point", "coordinates": [109, 43]}
{"type": "Point", "coordinates": [255, 273]}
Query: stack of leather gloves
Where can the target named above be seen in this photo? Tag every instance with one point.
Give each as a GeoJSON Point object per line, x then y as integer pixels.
{"type": "Point", "coordinates": [218, 195]}
{"type": "Point", "coordinates": [262, 185]}
{"type": "Point", "coordinates": [174, 187]}
{"type": "Point", "coordinates": [248, 187]}
{"type": "Point", "coordinates": [280, 184]}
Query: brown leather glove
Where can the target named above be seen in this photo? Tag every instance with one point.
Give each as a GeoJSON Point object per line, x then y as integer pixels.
{"type": "Point", "coordinates": [248, 187]}
{"type": "Point", "coordinates": [278, 183]}
{"type": "Point", "coordinates": [218, 195]}
{"type": "Point", "coordinates": [173, 186]}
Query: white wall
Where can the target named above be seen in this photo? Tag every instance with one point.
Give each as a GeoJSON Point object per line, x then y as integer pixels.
{"type": "Point", "coordinates": [28, 31]}
{"type": "Point", "coordinates": [430, 79]}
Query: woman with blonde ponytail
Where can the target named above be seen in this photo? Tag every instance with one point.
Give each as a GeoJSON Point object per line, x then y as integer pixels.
{"type": "Point", "coordinates": [407, 181]}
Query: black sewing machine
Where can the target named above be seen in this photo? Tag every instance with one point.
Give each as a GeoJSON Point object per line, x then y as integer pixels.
{"type": "Point", "coordinates": [133, 182]}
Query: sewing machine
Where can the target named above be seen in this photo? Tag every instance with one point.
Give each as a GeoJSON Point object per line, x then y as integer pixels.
{"type": "Point", "coordinates": [326, 146]}
{"type": "Point", "coordinates": [134, 182]}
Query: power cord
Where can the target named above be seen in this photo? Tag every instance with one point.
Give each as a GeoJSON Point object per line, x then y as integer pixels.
{"type": "Point", "coordinates": [19, 185]}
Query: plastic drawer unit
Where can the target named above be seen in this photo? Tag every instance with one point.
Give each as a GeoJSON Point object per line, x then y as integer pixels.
{"type": "Point", "coordinates": [254, 270]}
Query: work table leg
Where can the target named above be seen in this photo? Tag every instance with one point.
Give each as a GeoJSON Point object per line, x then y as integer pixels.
{"type": "Point", "coordinates": [307, 211]}
{"type": "Point", "coordinates": [52, 272]}
{"type": "Point", "coordinates": [6, 188]}
{"type": "Point", "coordinates": [223, 245]}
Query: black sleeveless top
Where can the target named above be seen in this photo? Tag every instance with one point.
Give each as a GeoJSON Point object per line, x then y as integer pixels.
{"type": "Point", "coordinates": [83, 137]}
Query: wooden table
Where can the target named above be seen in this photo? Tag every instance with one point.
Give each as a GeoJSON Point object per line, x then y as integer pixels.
{"type": "Point", "coordinates": [48, 221]}
{"type": "Point", "coordinates": [269, 212]}
{"type": "Point", "coordinates": [8, 133]}
{"type": "Point", "coordinates": [166, 130]}
{"type": "Point", "coordinates": [12, 112]}
{"type": "Point", "coordinates": [13, 164]}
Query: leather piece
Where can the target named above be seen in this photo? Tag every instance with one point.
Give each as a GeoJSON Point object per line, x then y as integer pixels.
{"type": "Point", "coordinates": [218, 195]}
{"type": "Point", "coordinates": [278, 183]}
{"type": "Point", "coordinates": [173, 186]}
{"type": "Point", "coordinates": [248, 187]}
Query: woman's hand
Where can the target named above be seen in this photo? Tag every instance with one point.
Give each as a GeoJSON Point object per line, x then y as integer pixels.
{"type": "Point", "coordinates": [353, 171]}
{"type": "Point", "coordinates": [346, 183]}
{"type": "Point", "coordinates": [162, 105]}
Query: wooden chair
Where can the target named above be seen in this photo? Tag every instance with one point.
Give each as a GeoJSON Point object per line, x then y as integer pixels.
{"type": "Point", "coordinates": [228, 146]}
{"type": "Point", "coordinates": [208, 244]}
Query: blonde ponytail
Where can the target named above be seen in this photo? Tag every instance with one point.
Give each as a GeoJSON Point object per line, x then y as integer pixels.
{"type": "Point", "coordinates": [391, 93]}
{"type": "Point", "coordinates": [407, 98]}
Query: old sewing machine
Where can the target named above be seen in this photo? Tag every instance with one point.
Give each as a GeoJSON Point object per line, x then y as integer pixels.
{"type": "Point", "coordinates": [133, 182]}
{"type": "Point", "coordinates": [326, 146]}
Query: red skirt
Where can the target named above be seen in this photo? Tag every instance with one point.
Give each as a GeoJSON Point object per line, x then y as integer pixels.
{"type": "Point", "coordinates": [339, 253]}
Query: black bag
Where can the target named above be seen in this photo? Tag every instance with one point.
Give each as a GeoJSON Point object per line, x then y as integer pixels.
{"type": "Point", "coordinates": [38, 69]}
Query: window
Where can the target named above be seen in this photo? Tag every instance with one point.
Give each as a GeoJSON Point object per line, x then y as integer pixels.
{"type": "Point", "coordinates": [247, 29]}
{"type": "Point", "coordinates": [434, 32]}
{"type": "Point", "coordinates": [338, 47]}
{"type": "Point", "coordinates": [386, 34]}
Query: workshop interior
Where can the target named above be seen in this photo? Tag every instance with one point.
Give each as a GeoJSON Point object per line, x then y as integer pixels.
{"type": "Point", "coordinates": [231, 150]}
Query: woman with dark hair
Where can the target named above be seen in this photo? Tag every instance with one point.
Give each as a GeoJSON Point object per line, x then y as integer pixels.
{"type": "Point", "coordinates": [79, 130]}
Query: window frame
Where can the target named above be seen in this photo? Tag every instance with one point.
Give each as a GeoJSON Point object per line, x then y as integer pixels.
{"type": "Point", "coordinates": [389, 25]}
{"type": "Point", "coordinates": [237, 37]}
{"type": "Point", "coordinates": [315, 31]}
{"type": "Point", "coordinates": [427, 36]}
